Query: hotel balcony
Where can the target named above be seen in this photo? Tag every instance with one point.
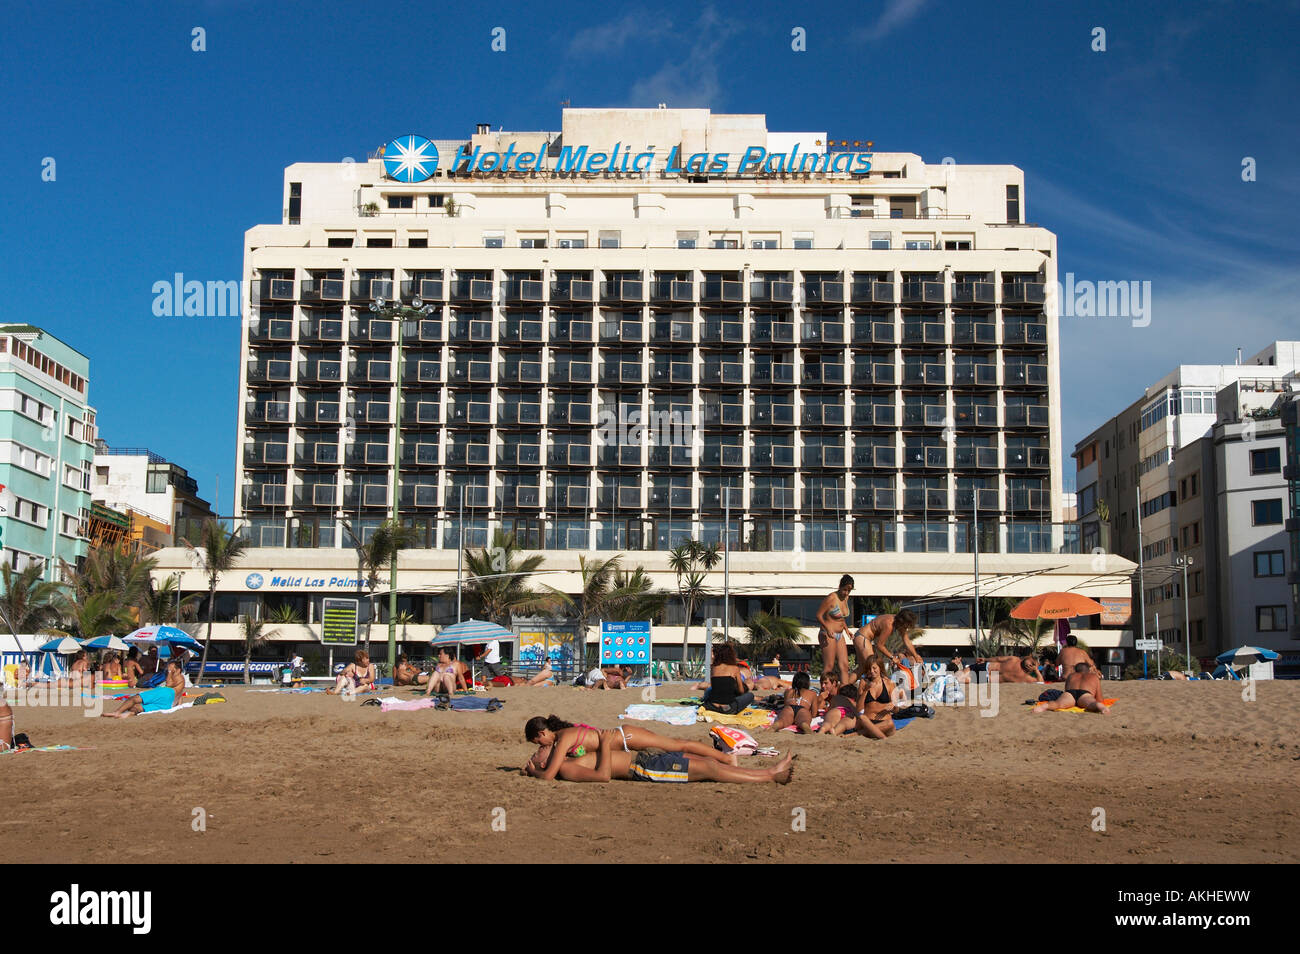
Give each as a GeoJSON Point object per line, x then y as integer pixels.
{"type": "Point", "coordinates": [630, 290]}
{"type": "Point", "coordinates": [729, 333]}
{"type": "Point", "coordinates": [472, 290]}
{"type": "Point", "coordinates": [421, 454]}
{"type": "Point", "coordinates": [779, 334]}
{"type": "Point", "coordinates": [975, 293]}
{"type": "Point", "coordinates": [1024, 294]}
{"type": "Point", "coordinates": [672, 291]}
{"type": "Point", "coordinates": [524, 291]}
{"type": "Point", "coordinates": [272, 413]}
{"type": "Point", "coordinates": [320, 413]}
{"type": "Point", "coordinates": [573, 291]}
{"type": "Point", "coordinates": [272, 330]}
{"type": "Point", "coordinates": [573, 332]}
{"type": "Point", "coordinates": [322, 291]}
{"type": "Point", "coordinates": [366, 290]}
{"type": "Point", "coordinates": [417, 414]}
{"type": "Point", "coordinates": [874, 498]}
{"type": "Point", "coordinates": [722, 292]}
{"type": "Point", "coordinates": [822, 333]}
{"type": "Point", "coordinates": [872, 293]}
{"type": "Point", "coordinates": [866, 331]}
{"type": "Point", "coordinates": [772, 415]}
{"type": "Point", "coordinates": [428, 290]}
{"type": "Point", "coordinates": [823, 294]}
{"type": "Point", "coordinates": [874, 415]}
{"type": "Point", "coordinates": [923, 293]}
{"type": "Point", "coordinates": [323, 331]}
{"type": "Point", "coordinates": [771, 292]}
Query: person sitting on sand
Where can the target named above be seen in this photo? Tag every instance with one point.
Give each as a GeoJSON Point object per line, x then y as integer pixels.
{"type": "Point", "coordinates": [1008, 668]}
{"type": "Point", "coordinates": [131, 670]}
{"type": "Point", "coordinates": [558, 740]}
{"type": "Point", "coordinates": [1072, 654]}
{"type": "Point", "coordinates": [887, 635]}
{"type": "Point", "coordinates": [79, 673]}
{"type": "Point", "coordinates": [799, 706]}
{"type": "Point", "coordinates": [608, 762]}
{"type": "Point", "coordinates": [166, 696]}
{"type": "Point", "coordinates": [727, 692]}
{"type": "Point", "coordinates": [1082, 689]}
{"type": "Point", "coordinates": [545, 676]}
{"type": "Point", "coordinates": [879, 702]}
{"type": "Point", "coordinates": [444, 677]}
{"type": "Point", "coordinates": [6, 725]}
{"type": "Point", "coordinates": [842, 709]}
{"type": "Point", "coordinates": [149, 662]}
{"type": "Point", "coordinates": [358, 676]}
{"type": "Point", "coordinates": [405, 674]}
{"type": "Point", "coordinates": [111, 667]}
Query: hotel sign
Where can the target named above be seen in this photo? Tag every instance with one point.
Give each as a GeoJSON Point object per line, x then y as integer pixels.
{"type": "Point", "coordinates": [414, 159]}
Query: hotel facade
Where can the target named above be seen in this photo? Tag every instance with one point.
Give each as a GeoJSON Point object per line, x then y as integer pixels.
{"type": "Point", "coordinates": [650, 326]}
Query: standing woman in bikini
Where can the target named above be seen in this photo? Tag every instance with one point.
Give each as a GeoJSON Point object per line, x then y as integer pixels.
{"type": "Point", "coordinates": [567, 741]}
{"type": "Point", "coordinates": [833, 629]}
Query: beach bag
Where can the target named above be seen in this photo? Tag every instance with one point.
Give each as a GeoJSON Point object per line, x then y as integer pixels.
{"type": "Point", "coordinates": [153, 682]}
{"type": "Point", "coordinates": [727, 738]}
{"type": "Point", "coordinates": [915, 711]}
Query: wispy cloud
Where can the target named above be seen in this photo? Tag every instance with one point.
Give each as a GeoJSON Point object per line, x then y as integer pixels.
{"type": "Point", "coordinates": [897, 13]}
{"type": "Point", "coordinates": [608, 39]}
{"type": "Point", "coordinates": [694, 78]}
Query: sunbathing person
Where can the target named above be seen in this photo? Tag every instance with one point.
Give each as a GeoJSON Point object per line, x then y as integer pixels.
{"type": "Point", "coordinates": [545, 676]}
{"type": "Point", "coordinates": [6, 725]}
{"type": "Point", "coordinates": [405, 674]}
{"type": "Point", "coordinates": [131, 670]}
{"type": "Point", "coordinates": [558, 740]}
{"type": "Point", "coordinates": [842, 710]}
{"type": "Point", "coordinates": [1071, 655]}
{"type": "Point", "coordinates": [444, 676]}
{"type": "Point", "coordinates": [1008, 668]}
{"type": "Point", "coordinates": [800, 706]}
{"type": "Point", "coordinates": [358, 676]}
{"type": "Point", "coordinates": [1082, 689]}
{"type": "Point", "coordinates": [608, 763]}
{"type": "Point", "coordinates": [880, 699]}
{"type": "Point", "coordinates": [166, 696]}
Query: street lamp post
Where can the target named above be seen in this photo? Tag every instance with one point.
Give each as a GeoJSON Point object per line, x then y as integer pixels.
{"type": "Point", "coordinates": [1185, 562]}
{"type": "Point", "coordinates": [398, 313]}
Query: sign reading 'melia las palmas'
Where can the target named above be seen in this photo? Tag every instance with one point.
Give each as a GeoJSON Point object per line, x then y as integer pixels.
{"type": "Point", "coordinates": [415, 159]}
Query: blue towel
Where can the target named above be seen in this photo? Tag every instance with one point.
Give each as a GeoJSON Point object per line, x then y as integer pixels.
{"type": "Point", "coordinates": [473, 703]}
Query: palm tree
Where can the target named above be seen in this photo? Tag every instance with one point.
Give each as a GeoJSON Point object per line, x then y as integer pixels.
{"type": "Point", "coordinates": [770, 635]}
{"type": "Point", "coordinates": [691, 561]}
{"type": "Point", "coordinates": [376, 555]}
{"type": "Point", "coordinates": [254, 638]}
{"type": "Point", "coordinates": [592, 603]}
{"type": "Point", "coordinates": [96, 614]}
{"type": "Point", "coordinates": [633, 596]}
{"type": "Point", "coordinates": [27, 603]}
{"type": "Point", "coordinates": [1026, 634]}
{"type": "Point", "coordinates": [159, 604]}
{"type": "Point", "coordinates": [218, 552]}
{"type": "Point", "coordinates": [497, 581]}
{"type": "Point", "coordinates": [119, 569]}
{"type": "Point", "coordinates": [283, 613]}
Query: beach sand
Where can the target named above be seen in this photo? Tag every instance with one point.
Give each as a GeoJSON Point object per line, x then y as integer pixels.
{"type": "Point", "coordinates": [1184, 772]}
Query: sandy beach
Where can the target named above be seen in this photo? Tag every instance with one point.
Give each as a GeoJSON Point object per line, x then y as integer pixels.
{"type": "Point", "coordinates": [1184, 772]}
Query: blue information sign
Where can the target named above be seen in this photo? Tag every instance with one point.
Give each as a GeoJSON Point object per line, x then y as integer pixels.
{"type": "Point", "coordinates": [625, 644]}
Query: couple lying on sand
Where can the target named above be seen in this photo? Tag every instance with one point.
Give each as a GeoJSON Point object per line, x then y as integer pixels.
{"type": "Point", "coordinates": [583, 753]}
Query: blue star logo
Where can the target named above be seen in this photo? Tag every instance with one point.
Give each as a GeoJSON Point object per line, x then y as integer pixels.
{"type": "Point", "coordinates": [253, 581]}
{"type": "Point", "coordinates": [410, 159]}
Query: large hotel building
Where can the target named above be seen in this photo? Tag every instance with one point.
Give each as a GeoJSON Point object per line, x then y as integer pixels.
{"type": "Point", "coordinates": [650, 326]}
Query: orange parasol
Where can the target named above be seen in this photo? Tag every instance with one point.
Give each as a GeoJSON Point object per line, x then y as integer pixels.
{"type": "Point", "coordinates": [1057, 606]}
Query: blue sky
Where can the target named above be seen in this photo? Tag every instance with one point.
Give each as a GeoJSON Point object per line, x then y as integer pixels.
{"type": "Point", "coordinates": [165, 156]}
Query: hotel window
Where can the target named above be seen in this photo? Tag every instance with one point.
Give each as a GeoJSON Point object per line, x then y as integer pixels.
{"type": "Point", "coordinates": [532, 243]}
{"type": "Point", "coordinates": [1267, 461]}
{"type": "Point", "coordinates": [494, 239]}
{"type": "Point", "coordinates": [571, 241]}
{"type": "Point", "coordinates": [418, 243]}
{"type": "Point", "coordinates": [803, 240]}
{"type": "Point", "coordinates": [611, 239]}
{"type": "Point", "coordinates": [436, 200]}
{"type": "Point", "coordinates": [1270, 619]}
{"type": "Point", "coordinates": [1013, 205]}
{"type": "Point", "coordinates": [401, 202]}
{"type": "Point", "coordinates": [956, 245]}
{"type": "Point", "coordinates": [917, 244]}
{"type": "Point", "coordinates": [687, 239]}
{"type": "Point", "coordinates": [880, 239]}
{"type": "Point", "coordinates": [763, 243]}
{"type": "Point", "coordinates": [723, 241]}
{"type": "Point", "coordinates": [379, 243]}
{"type": "Point", "coordinates": [295, 203]}
{"type": "Point", "coordinates": [69, 527]}
{"type": "Point", "coordinates": [862, 206]}
{"type": "Point", "coordinates": [1266, 513]}
{"type": "Point", "coordinates": [340, 243]}
{"type": "Point", "coordinates": [1269, 563]}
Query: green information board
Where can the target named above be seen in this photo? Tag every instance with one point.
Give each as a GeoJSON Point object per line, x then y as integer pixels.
{"type": "Point", "coordinates": [338, 622]}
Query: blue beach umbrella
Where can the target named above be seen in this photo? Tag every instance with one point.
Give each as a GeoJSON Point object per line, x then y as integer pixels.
{"type": "Point", "coordinates": [63, 645]}
{"type": "Point", "coordinates": [1245, 655]}
{"type": "Point", "coordinates": [470, 631]}
{"type": "Point", "coordinates": [104, 642]}
{"type": "Point", "coordinates": [164, 635]}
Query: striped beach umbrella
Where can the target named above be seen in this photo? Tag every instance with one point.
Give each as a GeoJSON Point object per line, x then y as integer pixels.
{"type": "Point", "coordinates": [471, 631]}
{"type": "Point", "coordinates": [104, 642]}
{"type": "Point", "coordinates": [63, 645]}
{"type": "Point", "coordinates": [1245, 656]}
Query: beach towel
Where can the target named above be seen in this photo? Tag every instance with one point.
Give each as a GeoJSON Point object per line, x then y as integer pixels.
{"type": "Point", "coordinates": [392, 703]}
{"type": "Point", "coordinates": [47, 748]}
{"type": "Point", "coordinates": [749, 718]}
{"type": "Point", "coordinates": [1105, 702]}
{"type": "Point", "coordinates": [673, 715]}
{"type": "Point", "coordinates": [183, 705]}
